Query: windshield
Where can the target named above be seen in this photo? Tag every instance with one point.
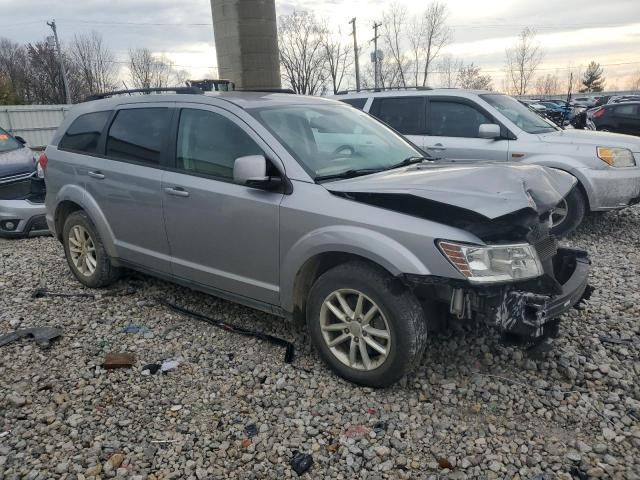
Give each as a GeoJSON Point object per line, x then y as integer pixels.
{"type": "Point", "coordinates": [7, 142]}
{"type": "Point", "coordinates": [333, 139]}
{"type": "Point", "coordinates": [524, 118]}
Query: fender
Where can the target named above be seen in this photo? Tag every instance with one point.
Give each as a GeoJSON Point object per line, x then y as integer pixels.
{"type": "Point", "coordinates": [76, 194]}
{"type": "Point", "coordinates": [374, 246]}
{"type": "Point", "coordinates": [566, 164]}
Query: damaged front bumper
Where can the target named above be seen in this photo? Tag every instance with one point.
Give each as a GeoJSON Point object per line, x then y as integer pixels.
{"type": "Point", "coordinates": [527, 309]}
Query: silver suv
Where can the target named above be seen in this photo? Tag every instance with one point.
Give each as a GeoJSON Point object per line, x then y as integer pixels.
{"type": "Point", "coordinates": [309, 209]}
{"type": "Point", "coordinates": [467, 124]}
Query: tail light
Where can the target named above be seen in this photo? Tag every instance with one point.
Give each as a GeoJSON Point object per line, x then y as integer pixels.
{"type": "Point", "coordinates": [43, 161]}
{"type": "Point", "coordinates": [598, 113]}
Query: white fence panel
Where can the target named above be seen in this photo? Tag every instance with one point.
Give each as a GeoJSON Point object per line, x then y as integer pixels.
{"type": "Point", "coordinates": [35, 123]}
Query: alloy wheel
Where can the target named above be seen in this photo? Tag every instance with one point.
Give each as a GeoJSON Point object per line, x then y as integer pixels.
{"type": "Point", "coordinates": [82, 250]}
{"type": "Point", "coordinates": [559, 214]}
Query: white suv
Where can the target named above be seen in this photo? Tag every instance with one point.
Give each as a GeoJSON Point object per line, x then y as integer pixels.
{"type": "Point", "coordinates": [471, 124]}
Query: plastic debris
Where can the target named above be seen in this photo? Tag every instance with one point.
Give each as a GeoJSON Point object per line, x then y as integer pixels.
{"type": "Point", "coordinates": [251, 430]}
{"type": "Point", "coordinates": [301, 462]}
{"type": "Point", "coordinates": [118, 360]}
{"type": "Point", "coordinates": [356, 431]}
{"type": "Point", "coordinates": [616, 340]}
{"type": "Point", "coordinates": [44, 292]}
{"type": "Point", "coordinates": [42, 335]}
{"type": "Point", "coordinates": [4, 434]}
{"type": "Point", "coordinates": [380, 427]}
{"type": "Point", "coordinates": [168, 365]}
{"type": "Point", "coordinates": [151, 369]}
{"type": "Point", "coordinates": [289, 348]}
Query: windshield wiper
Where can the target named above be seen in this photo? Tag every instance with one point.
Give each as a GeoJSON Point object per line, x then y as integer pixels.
{"type": "Point", "coordinates": [409, 161]}
{"type": "Point", "coordinates": [348, 174]}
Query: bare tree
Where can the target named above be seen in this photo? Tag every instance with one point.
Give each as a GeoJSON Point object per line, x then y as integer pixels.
{"type": "Point", "coordinates": [148, 71]}
{"type": "Point", "coordinates": [44, 77]}
{"type": "Point", "coordinates": [469, 77]}
{"type": "Point", "coordinates": [94, 62]}
{"type": "Point", "coordinates": [547, 84]}
{"type": "Point", "coordinates": [302, 55]}
{"type": "Point", "coordinates": [338, 57]}
{"type": "Point", "coordinates": [14, 64]}
{"type": "Point", "coordinates": [448, 68]}
{"type": "Point", "coordinates": [522, 60]}
{"type": "Point", "coordinates": [435, 33]}
{"type": "Point", "coordinates": [634, 82]}
{"type": "Point", "coordinates": [392, 27]}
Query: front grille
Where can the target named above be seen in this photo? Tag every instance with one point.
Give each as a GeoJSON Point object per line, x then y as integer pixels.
{"type": "Point", "coordinates": [546, 247]}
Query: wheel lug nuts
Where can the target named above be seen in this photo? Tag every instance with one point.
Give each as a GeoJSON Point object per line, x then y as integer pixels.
{"type": "Point", "coordinates": [346, 330]}
{"type": "Point", "coordinates": [355, 339]}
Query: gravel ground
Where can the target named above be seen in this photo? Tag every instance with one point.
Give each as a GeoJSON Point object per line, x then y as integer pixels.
{"type": "Point", "coordinates": [473, 409]}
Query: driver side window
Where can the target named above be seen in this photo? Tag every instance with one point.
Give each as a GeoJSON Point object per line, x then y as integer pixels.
{"type": "Point", "coordinates": [209, 143]}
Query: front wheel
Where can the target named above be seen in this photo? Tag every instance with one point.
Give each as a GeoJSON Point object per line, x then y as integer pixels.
{"type": "Point", "coordinates": [569, 213]}
{"type": "Point", "coordinates": [367, 332]}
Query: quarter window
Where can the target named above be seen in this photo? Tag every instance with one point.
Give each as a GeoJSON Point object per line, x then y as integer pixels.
{"type": "Point", "coordinates": [358, 103]}
{"type": "Point", "coordinates": [405, 114]}
{"type": "Point", "coordinates": [209, 143]}
{"type": "Point", "coordinates": [138, 135]}
{"type": "Point", "coordinates": [453, 119]}
{"type": "Point", "coordinates": [84, 132]}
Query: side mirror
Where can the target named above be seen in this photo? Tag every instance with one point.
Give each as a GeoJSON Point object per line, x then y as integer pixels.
{"type": "Point", "coordinates": [20, 139]}
{"type": "Point", "coordinates": [489, 130]}
{"type": "Point", "coordinates": [251, 171]}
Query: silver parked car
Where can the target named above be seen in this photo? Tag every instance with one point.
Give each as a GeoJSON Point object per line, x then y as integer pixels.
{"type": "Point", "coordinates": [466, 124]}
{"type": "Point", "coordinates": [307, 208]}
{"type": "Point", "coordinates": [21, 189]}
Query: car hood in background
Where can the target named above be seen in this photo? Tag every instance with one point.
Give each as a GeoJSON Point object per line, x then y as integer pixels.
{"type": "Point", "coordinates": [490, 189]}
{"type": "Point", "coordinates": [591, 137]}
{"type": "Point", "coordinates": [16, 162]}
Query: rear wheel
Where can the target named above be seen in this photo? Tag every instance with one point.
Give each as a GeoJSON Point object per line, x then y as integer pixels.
{"type": "Point", "coordinates": [85, 252]}
{"type": "Point", "coordinates": [367, 332]}
{"type": "Point", "coordinates": [569, 213]}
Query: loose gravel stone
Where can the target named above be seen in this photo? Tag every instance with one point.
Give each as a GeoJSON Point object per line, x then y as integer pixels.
{"type": "Point", "coordinates": [489, 410]}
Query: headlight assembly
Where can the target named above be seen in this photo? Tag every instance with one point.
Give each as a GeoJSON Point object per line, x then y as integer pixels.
{"type": "Point", "coordinates": [493, 263]}
{"type": "Point", "coordinates": [616, 157]}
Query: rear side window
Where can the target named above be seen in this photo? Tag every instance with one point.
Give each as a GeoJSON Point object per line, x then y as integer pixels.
{"type": "Point", "coordinates": [139, 135]}
{"type": "Point", "coordinates": [84, 133]}
{"type": "Point", "coordinates": [626, 110]}
{"type": "Point", "coordinates": [359, 103]}
{"type": "Point", "coordinates": [405, 114]}
{"type": "Point", "coordinates": [453, 119]}
{"type": "Point", "coordinates": [209, 143]}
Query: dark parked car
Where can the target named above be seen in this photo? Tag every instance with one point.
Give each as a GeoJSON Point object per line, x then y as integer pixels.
{"type": "Point", "coordinates": [21, 189]}
{"type": "Point", "coordinates": [618, 117]}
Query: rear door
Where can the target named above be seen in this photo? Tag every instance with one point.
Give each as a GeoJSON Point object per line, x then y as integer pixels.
{"type": "Point", "coordinates": [453, 124]}
{"type": "Point", "coordinates": [222, 235]}
{"type": "Point", "coordinates": [125, 181]}
{"type": "Point", "coordinates": [405, 114]}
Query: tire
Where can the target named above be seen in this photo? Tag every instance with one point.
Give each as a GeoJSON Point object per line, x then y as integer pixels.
{"type": "Point", "coordinates": [398, 312]}
{"type": "Point", "coordinates": [576, 207]}
{"type": "Point", "coordinates": [104, 273]}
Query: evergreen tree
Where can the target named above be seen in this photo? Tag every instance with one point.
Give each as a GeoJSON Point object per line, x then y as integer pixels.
{"type": "Point", "coordinates": [592, 79]}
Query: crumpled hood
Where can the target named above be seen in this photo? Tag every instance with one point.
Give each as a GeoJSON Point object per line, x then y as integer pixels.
{"type": "Point", "coordinates": [491, 189]}
{"type": "Point", "coordinates": [16, 162]}
{"type": "Point", "coordinates": [590, 137]}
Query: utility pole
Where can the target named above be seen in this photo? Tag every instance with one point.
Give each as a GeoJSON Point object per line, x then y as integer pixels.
{"type": "Point", "coordinates": [52, 24]}
{"type": "Point", "coordinates": [355, 52]}
{"type": "Point", "coordinates": [375, 53]}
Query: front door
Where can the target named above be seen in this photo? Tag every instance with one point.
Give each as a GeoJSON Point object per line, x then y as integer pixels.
{"type": "Point", "coordinates": [221, 234]}
{"type": "Point", "coordinates": [453, 126]}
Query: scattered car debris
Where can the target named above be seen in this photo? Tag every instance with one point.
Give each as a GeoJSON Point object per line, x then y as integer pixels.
{"type": "Point", "coordinates": [251, 430]}
{"type": "Point", "coordinates": [4, 434]}
{"type": "Point", "coordinates": [380, 427]}
{"type": "Point", "coordinates": [356, 431]}
{"type": "Point", "coordinates": [444, 462]}
{"type": "Point", "coordinates": [617, 340]}
{"type": "Point", "coordinates": [301, 462]}
{"type": "Point", "coordinates": [168, 365]}
{"type": "Point", "coordinates": [115, 360]}
{"type": "Point", "coordinates": [44, 292]}
{"type": "Point", "coordinates": [289, 348]}
{"type": "Point", "coordinates": [42, 335]}
{"type": "Point", "coordinates": [135, 329]}
{"type": "Point", "coordinates": [162, 366]}
{"type": "Point", "coordinates": [151, 369]}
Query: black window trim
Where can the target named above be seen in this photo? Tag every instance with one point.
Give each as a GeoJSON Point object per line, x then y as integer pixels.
{"type": "Point", "coordinates": [374, 110]}
{"type": "Point", "coordinates": [164, 152]}
{"type": "Point", "coordinates": [172, 150]}
{"type": "Point", "coordinates": [504, 131]}
{"type": "Point", "coordinates": [99, 153]}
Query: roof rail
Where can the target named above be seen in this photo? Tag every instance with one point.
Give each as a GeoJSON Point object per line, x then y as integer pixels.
{"type": "Point", "coordinates": [266, 90]}
{"type": "Point", "coordinates": [188, 90]}
{"type": "Point", "coordinates": [384, 89]}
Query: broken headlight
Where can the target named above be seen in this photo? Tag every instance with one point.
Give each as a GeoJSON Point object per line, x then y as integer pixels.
{"type": "Point", "coordinates": [493, 263]}
{"type": "Point", "coordinates": [616, 157]}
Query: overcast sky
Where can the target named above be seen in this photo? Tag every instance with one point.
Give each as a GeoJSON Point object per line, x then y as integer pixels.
{"type": "Point", "coordinates": [571, 32]}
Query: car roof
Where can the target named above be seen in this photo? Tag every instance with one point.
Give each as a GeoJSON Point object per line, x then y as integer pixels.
{"type": "Point", "coordinates": [409, 93]}
{"type": "Point", "coordinates": [635, 102]}
{"type": "Point", "coordinates": [245, 100]}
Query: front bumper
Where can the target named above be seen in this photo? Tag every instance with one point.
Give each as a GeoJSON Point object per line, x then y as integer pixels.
{"type": "Point", "coordinates": [611, 188]}
{"type": "Point", "coordinates": [22, 212]}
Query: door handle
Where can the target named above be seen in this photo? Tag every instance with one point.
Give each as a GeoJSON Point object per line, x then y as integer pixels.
{"type": "Point", "coordinates": [96, 174]}
{"type": "Point", "coordinates": [177, 191]}
{"type": "Point", "coordinates": [437, 146]}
